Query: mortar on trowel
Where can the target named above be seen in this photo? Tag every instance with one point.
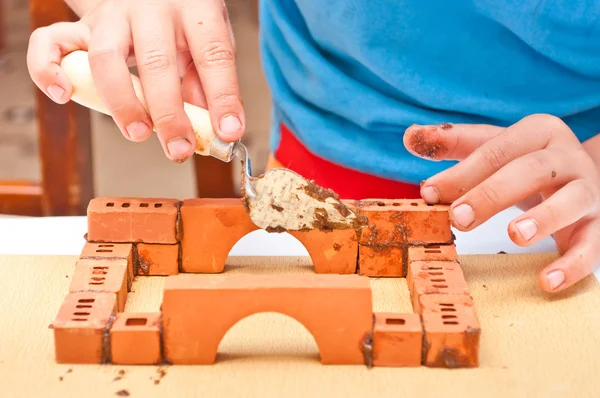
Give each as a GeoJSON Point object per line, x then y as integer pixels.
{"type": "Point", "coordinates": [276, 201]}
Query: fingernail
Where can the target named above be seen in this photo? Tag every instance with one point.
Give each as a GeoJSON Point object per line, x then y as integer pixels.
{"type": "Point", "coordinates": [138, 130]}
{"type": "Point", "coordinates": [430, 195]}
{"type": "Point", "coordinates": [179, 148]}
{"type": "Point", "coordinates": [230, 125]}
{"type": "Point", "coordinates": [528, 228]}
{"type": "Point", "coordinates": [555, 279]}
{"type": "Point", "coordinates": [56, 92]}
{"type": "Point", "coordinates": [463, 215]}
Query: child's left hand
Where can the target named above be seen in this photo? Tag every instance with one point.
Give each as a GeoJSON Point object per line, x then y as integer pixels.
{"type": "Point", "coordinates": [537, 162]}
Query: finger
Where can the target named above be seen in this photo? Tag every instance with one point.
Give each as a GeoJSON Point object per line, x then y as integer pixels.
{"type": "Point", "coordinates": [447, 141]}
{"type": "Point", "coordinates": [528, 135]}
{"type": "Point", "coordinates": [579, 261]}
{"type": "Point", "coordinates": [108, 53]}
{"type": "Point", "coordinates": [212, 51]}
{"type": "Point", "coordinates": [47, 47]}
{"type": "Point", "coordinates": [191, 88]}
{"type": "Point", "coordinates": [513, 183]}
{"type": "Point", "coordinates": [568, 205]}
{"type": "Point", "coordinates": [156, 56]}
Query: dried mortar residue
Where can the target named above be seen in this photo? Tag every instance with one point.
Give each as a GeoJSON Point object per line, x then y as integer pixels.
{"type": "Point", "coordinates": [144, 264]}
{"type": "Point", "coordinates": [366, 345]}
{"type": "Point", "coordinates": [106, 358]}
{"type": "Point", "coordinates": [425, 142]}
{"type": "Point", "coordinates": [178, 223]}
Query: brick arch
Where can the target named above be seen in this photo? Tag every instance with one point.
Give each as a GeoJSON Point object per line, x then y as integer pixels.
{"type": "Point", "coordinates": [198, 310]}
{"type": "Point", "coordinates": [211, 227]}
{"type": "Point", "coordinates": [290, 335]}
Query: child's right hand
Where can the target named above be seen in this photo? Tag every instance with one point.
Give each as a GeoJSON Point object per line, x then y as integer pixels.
{"type": "Point", "coordinates": [167, 40]}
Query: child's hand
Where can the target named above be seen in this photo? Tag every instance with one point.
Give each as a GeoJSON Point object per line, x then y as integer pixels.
{"type": "Point", "coordinates": [537, 160]}
{"type": "Point", "coordinates": [167, 40]}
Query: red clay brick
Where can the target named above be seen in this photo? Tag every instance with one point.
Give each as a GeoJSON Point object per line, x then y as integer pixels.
{"type": "Point", "coordinates": [332, 252]}
{"type": "Point", "coordinates": [135, 339]}
{"type": "Point", "coordinates": [81, 325]}
{"type": "Point", "coordinates": [132, 220]}
{"type": "Point", "coordinates": [158, 259]}
{"type": "Point", "coordinates": [397, 340]}
{"type": "Point", "coordinates": [432, 253]}
{"type": "Point", "coordinates": [386, 261]}
{"type": "Point", "coordinates": [111, 251]}
{"type": "Point", "coordinates": [452, 331]}
{"type": "Point", "coordinates": [211, 227]}
{"type": "Point", "coordinates": [102, 276]}
{"type": "Point", "coordinates": [336, 309]}
{"type": "Point", "coordinates": [392, 222]}
{"type": "Point", "coordinates": [435, 277]}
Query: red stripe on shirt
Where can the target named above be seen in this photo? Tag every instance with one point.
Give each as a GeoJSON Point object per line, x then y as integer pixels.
{"type": "Point", "coordinates": [348, 183]}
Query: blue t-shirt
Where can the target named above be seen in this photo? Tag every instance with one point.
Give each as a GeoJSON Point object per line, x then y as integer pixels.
{"type": "Point", "coordinates": [349, 76]}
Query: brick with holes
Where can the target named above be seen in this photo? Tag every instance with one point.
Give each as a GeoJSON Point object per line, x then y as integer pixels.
{"type": "Point", "coordinates": [394, 222]}
{"type": "Point", "coordinates": [111, 251]}
{"type": "Point", "coordinates": [434, 277]}
{"type": "Point", "coordinates": [397, 340]}
{"type": "Point", "coordinates": [158, 260]}
{"type": "Point", "coordinates": [133, 220]}
{"type": "Point", "coordinates": [102, 276]}
{"type": "Point", "coordinates": [432, 253]}
{"type": "Point", "coordinates": [452, 331]}
{"type": "Point", "coordinates": [135, 339]}
{"type": "Point", "coordinates": [81, 324]}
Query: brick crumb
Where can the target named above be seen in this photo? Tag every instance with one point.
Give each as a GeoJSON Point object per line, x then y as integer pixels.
{"type": "Point", "coordinates": [122, 393]}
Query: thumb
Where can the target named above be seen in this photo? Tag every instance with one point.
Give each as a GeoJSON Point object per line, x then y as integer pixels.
{"type": "Point", "coordinates": [447, 141]}
{"type": "Point", "coordinates": [47, 47]}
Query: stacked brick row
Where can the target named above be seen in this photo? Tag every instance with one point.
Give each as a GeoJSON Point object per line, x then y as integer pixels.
{"type": "Point", "coordinates": [128, 237]}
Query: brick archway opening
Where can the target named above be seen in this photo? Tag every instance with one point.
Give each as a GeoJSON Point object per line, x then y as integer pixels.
{"type": "Point", "coordinates": [285, 337]}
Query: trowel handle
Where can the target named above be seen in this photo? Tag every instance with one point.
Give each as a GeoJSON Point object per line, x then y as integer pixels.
{"type": "Point", "coordinates": [77, 68]}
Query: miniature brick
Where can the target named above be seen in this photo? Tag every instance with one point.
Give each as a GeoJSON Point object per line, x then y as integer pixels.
{"type": "Point", "coordinates": [157, 259]}
{"type": "Point", "coordinates": [111, 251]}
{"type": "Point", "coordinates": [132, 220]}
{"type": "Point", "coordinates": [452, 331]}
{"type": "Point", "coordinates": [386, 261]}
{"type": "Point", "coordinates": [393, 222]}
{"type": "Point", "coordinates": [432, 253]}
{"type": "Point", "coordinates": [198, 310]}
{"type": "Point", "coordinates": [102, 276]}
{"type": "Point", "coordinates": [332, 252]}
{"type": "Point", "coordinates": [397, 340]}
{"type": "Point", "coordinates": [211, 227]}
{"type": "Point", "coordinates": [135, 339]}
{"type": "Point", "coordinates": [80, 327]}
{"type": "Point", "coordinates": [434, 277]}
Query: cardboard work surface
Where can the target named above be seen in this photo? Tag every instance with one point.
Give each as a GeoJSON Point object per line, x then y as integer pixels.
{"type": "Point", "coordinates": [532, 344]}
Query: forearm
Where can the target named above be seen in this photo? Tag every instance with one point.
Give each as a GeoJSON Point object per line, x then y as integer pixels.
{"type": "Point", "coordinates": [80, 7]}
{"type": "Point", "coordinates": [592, 146]}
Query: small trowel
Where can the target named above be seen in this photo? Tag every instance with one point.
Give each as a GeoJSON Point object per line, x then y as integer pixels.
{"type": "Point", "coordinates": [277, 201]}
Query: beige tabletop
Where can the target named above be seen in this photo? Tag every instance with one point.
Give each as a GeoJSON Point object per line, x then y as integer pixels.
{"type": "Point", "coordinates": [532, 344]}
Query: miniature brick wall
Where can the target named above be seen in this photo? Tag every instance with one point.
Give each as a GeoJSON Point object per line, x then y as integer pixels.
{"type": "Point", "coordinates": [130, 237]}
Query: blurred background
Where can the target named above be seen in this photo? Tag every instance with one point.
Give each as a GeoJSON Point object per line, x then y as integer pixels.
{"type": "Point", "coordinates": [28, 186]}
